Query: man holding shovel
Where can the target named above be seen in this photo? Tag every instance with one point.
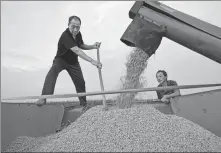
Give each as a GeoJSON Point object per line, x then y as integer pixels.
{"type": "Point", "coordinates": [69, 48]}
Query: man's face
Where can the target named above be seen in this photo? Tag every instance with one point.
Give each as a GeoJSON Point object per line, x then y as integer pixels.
{"type": "Point", "coordinates": [74, 26]}
{"type": "Point", "coordinates": [161, 78]}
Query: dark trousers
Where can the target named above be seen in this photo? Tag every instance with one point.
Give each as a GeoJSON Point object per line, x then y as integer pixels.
{"type": "Point", "coordinates": [75, 73]}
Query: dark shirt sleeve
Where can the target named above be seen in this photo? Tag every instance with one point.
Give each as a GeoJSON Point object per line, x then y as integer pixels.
{"type": "Point", "coordinates": [67, 41]}
{"type": "Point", "coordinates": [173, 83]}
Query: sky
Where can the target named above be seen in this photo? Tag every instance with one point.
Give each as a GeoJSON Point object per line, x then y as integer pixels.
{"type": "Point", "coordinates": [30, 31]}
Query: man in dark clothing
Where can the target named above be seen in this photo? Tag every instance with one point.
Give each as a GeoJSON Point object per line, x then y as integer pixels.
{"type": "Point", "coordinates": [69, 48]}
{"type": "Point", "coordinates": [165, 95]}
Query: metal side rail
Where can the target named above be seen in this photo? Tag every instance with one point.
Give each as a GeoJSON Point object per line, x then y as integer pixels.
{"type": "Point", "coordinates": [114, 92]}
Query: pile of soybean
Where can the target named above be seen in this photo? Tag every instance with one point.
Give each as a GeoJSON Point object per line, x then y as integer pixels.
{"type": "Point", "coordinates": [141, 128]}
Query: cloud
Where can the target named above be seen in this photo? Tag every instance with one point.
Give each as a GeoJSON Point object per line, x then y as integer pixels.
{"type": "Point", "coordinates": [15, 54]}
{"type": "Point", "coordinates": [110, 10]}
{"type": "Point", "coordinates": [103, 10]}
{"type": "Point", "coordinates": [18, 61]}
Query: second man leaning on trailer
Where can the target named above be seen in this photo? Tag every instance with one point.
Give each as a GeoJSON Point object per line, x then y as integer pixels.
{"type": "Point", "coordinates": [69, 48]}
{"type": "Point", "coordinates": [166, 95]}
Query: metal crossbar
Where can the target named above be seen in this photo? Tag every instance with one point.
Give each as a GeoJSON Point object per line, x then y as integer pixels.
{"type": "Point", "coordinates": [114, 92]}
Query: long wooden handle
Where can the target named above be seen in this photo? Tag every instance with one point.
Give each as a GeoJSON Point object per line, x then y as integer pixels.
{"type": "Point", "coordinates": [101, 80]}
{"type": "Point", "coordinates": [115, 92]}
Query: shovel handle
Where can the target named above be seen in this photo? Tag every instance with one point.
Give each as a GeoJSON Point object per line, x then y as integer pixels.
{"type": "Point", "coordinates": [101, 80]}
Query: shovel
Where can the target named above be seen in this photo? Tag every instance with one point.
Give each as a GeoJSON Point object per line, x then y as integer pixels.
{"type": "Point", "coordinates": [101, 82]}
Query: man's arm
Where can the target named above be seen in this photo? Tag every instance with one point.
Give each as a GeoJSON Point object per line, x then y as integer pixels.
{"type": "Point", "coordinates": [87, 47]}
{"type": "Point", "coordinates": [174, 94]}
{"type": "Point", "coordinates": [166, 98]}
{"type": "Point", "coordinates": [81, 54]}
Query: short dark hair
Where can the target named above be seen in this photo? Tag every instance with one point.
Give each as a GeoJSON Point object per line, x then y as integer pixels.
{"type": "Point", "coordinates": [164, 72]}
{"type": "Point", "coordinates": [73, 17]}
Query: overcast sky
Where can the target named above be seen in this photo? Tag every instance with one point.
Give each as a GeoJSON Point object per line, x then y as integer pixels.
{"type": "Point", "coordinates": [30, 32]}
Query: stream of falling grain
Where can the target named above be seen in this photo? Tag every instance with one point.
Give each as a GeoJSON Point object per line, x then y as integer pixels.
{"type": "Point", "coordinates": [135, 66]}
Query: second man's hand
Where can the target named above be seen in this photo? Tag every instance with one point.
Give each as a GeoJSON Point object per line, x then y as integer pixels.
{"type": "Point", "coordinates": [96, 63]}
{"type": "Point", "coordinates": [165, 99]}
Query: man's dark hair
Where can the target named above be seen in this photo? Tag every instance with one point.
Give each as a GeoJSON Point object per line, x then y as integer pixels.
{"type": "Point", "coordinates": [73, 17]}
{"type": "Point", "coordinates": [164, 72]}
